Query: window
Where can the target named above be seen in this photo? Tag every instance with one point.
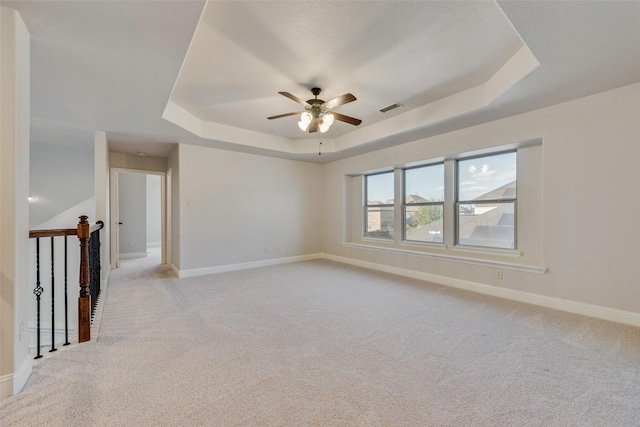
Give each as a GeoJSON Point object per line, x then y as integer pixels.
{"type": "Point", "coordinates": [424, 203]}
{"type": "Point", "coordinates": [379, 206]}
{"type": "Point", "coordinates": [464, 202]}
{"type": "Point", "coordinates": [486, 201]}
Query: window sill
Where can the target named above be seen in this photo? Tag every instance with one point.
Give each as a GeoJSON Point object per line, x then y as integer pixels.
{"type": "Point", "coordinates": [373, 244]}
{"type": "Point", "coordinates": [514, 253]}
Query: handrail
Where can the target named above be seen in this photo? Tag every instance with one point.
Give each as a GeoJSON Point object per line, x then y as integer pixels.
{"type": "Point", "coordinates": [99, 225]}
{"type": "Point", "coordinates": [53, 232]}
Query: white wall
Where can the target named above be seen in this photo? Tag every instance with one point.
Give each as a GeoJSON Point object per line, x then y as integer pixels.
{"type": "Point", "coordinates": [61, 177]}
{"type": "Point", "coordinates": [133, 214]}
{"type": "Point", "coordinates": [154, 211]}
{"type": "Point", "coordinates": [15, 363]}
{"type": "Point", "coordinates": [585, 178]}
{"type": "Point", "coordinates": [238, 208]}
{"type": "Point", "coordinates": [102, 197]}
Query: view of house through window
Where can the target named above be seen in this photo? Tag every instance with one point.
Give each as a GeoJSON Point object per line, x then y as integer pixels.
{"type": "Point", "coordinates": [486, 189]}
{"type": "Point", "coordinates": [379, 212]}
{"type": "Point", "coordinates": [483, 211]}
{"type": "Point", "coordinates": [424, 203]}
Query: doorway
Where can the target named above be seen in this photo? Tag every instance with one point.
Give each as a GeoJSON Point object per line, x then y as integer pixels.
{"type": "Point", "coordinates": [139, 215]}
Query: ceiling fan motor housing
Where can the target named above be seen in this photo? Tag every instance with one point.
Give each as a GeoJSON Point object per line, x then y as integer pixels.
{"type": "Point", "coordinates": [315, 103]}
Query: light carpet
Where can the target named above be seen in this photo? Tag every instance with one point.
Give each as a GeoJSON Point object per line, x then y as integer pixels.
{"type": "Point", "coordinates": [324, 344]}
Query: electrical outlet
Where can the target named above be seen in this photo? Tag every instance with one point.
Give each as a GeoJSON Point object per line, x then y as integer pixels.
{"type": "Point", "coordinates": [498, 273]}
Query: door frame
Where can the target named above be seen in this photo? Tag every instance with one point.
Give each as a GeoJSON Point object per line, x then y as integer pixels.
{"type": "Point", "coordinates": [165, 212]}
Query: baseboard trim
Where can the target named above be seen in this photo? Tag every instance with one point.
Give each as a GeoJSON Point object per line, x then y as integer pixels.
{"type": "Point", "coordinates": [133, 255]}
{"type": "Point", "coordinates": [175, 270]}
{"type": "Point", "coordinates": [105, 281]}
{"type": "Point", "coordinates": [591, 310]}
{"type": "Point", "coordinates": [45, 337]}
{"type": "Point", "coordinates": [11, 384]}
{"type": "Point", "coordinates": [97, 314]}
{"type": "Point", "coordinates": [6, 386]}
{"type": "Point", "coordinates": [242, 266]}
{"type": "Point", "coordinates": [23, 373]}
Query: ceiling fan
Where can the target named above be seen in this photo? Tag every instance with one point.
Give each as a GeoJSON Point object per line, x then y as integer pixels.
{"type": "Point", "coordinates": [317, 114]}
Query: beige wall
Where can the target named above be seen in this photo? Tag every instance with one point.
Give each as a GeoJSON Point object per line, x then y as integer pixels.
{"type": "Point", "coordinates": [587, 158]}
{"type": "Point", "coordinates": [15, 363]}
{"type": "Point", "coordinates": [102, 192]}
{"type": "Point", "coordinates": [238, 208]}
{"type": "Point", "coordinates": [132, 161]}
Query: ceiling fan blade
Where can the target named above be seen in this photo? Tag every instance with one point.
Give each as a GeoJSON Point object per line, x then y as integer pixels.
{"type": "Point", "coordinates": [346, 119]}
{"type": "Point", "coordinates": [294, 98]}
{"type": "Point", "coordinates": [313, 126]}
{"type": "Point", "coordinates": [279, 116]}
{"type": "Point", "coordinates": [341, 100]}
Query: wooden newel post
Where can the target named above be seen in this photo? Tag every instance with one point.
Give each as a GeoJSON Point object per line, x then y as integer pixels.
{"type": "Point", "coordinates": [84, 301]}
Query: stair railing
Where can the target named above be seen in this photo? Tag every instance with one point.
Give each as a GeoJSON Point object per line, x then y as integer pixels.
{"type": "Point", "coordinates": [89, 279]}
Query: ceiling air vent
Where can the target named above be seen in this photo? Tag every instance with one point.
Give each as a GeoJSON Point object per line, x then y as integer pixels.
{"type": "Point", "coordinates": [391, 107]}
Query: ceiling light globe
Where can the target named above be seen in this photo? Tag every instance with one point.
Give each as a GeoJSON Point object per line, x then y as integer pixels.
{"type": "Point", "coordinates": [323, 127]}
{"type": "Point", "coordinates": [305, 119]}
{"type": "Point", "coordinates": [326, 122]}
{"type": "Point", "coordinates": [328, 119]}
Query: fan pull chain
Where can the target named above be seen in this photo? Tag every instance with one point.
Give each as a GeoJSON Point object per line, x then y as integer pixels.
{"type": "Point", "coordinates": [320, 148]}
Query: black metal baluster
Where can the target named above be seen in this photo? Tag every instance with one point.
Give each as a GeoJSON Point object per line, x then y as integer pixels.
{"type": "Point", "coordinates": [94, 269]}
{"type": "Point", "coordinates": [38, 291]}
{"type": "Point", "coordinates": [92, 285]}
{"type": "Point", "coordinates": [53, 301]}
{"type": "Point", "coordinates": [66, 312]}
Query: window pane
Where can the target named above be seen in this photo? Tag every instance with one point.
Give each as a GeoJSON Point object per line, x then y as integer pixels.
{"type": "Point", "coordinates": [487, 178]}
{"type": "Point", "coordinates": [424, 223]}
{"type": "Point", "coordinates": [380, 189]}
{"type": "Point", "coordinates": [490, 225]}
{"type": "Point", "coordinates": [425, 184]}
{"type": "Point", "coordinates": [379, 222]}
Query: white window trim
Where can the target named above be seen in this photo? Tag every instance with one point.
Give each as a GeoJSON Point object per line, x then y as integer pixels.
{"type": "Point", "coordinates": [456, 203]}
{"type": "Point", "coordinates": [453, 258]}
{"type": "Point", "coordinates": [366, 207]}
{"type": "Point", "coordinates": [449, 251]}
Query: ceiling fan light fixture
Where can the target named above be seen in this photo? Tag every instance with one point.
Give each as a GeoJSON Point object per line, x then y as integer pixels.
{"type": "Point", "coordinates": [305, 119]}
{"type": "Point", "coordinates": [326, 122]}
{"type": "Point", "coordinates": [317, 115]}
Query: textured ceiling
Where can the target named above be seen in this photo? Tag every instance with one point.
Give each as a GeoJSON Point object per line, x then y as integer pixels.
{"type": "Point", "coordinates": [116, 66]}
{"type": "Point", "coordinates": [408, 52]}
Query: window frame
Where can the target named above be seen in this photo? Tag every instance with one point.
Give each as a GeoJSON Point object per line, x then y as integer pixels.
{"type": "Point", "coordinates": [458, 202]}
{"type": "Point", "coordinates": [405, 204]}
{"type": "Point", "coordinates": [365, 231]}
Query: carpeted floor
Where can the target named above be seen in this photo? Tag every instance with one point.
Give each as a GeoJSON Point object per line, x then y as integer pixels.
{"type": "Point", "coordinates": [323, 344]}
